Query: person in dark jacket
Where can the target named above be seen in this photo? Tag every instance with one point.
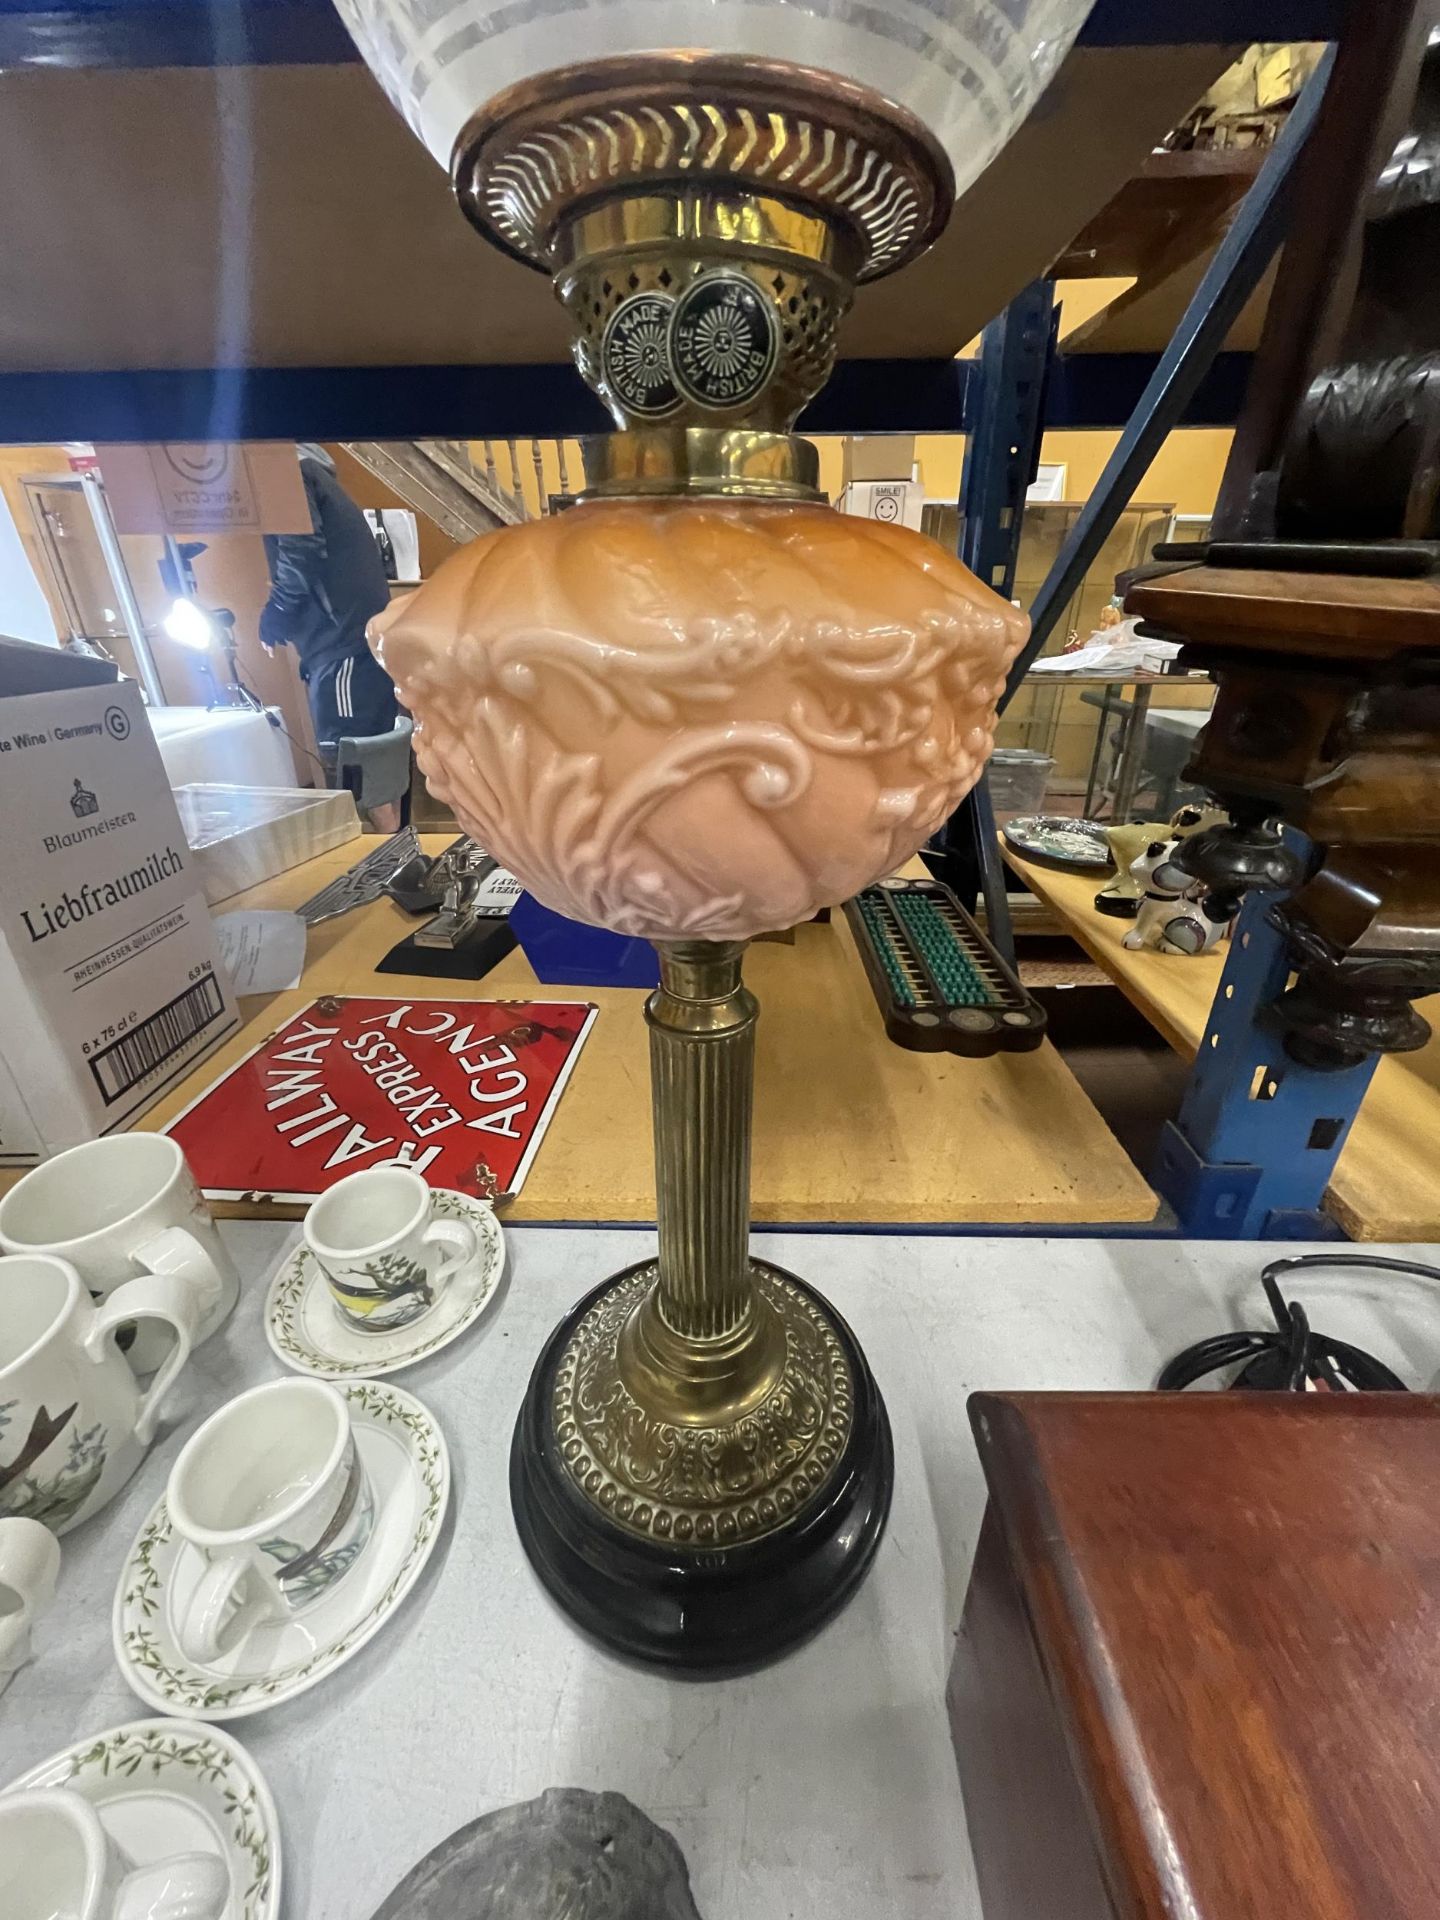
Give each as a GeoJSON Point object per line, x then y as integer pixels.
{"type": "Point", "coordinates": [325, 586]}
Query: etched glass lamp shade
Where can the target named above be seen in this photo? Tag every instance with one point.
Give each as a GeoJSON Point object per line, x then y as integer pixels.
{"type": "Point", "coordinates": [969, 70]}
{"type": "Point", "coordinates": [687, 720]}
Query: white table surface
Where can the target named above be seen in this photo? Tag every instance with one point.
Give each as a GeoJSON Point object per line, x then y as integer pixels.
{"type": "Point", "coordinates": [823, 1787]}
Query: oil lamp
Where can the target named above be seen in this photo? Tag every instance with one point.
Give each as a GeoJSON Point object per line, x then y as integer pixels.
{"type": "Point", "coordinates": [701, 705]}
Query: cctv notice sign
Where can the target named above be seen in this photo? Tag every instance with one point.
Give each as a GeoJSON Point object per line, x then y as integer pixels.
{"type": "Point", "coordinates": [459, 1090]}
{"type": "Point", "coordinates": [205, 486]}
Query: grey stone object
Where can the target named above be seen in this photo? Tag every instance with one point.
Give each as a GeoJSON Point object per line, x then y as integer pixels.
{"type": "Point", "coordinates": [569, 1855]}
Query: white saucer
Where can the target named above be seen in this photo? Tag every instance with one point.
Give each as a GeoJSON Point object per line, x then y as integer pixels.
{"type": "Point", "coordinates": [163, 1787]}
{"type": "Point", "coordinates": [307, 1331]}
{"type": "Point", "coordinates": [405, 1455]}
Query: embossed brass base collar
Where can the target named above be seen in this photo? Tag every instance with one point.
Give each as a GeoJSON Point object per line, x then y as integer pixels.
{"type": "Point", "coordinates": [720, 1562]}
{"type": "Point", "coordinates": [697, 1484]}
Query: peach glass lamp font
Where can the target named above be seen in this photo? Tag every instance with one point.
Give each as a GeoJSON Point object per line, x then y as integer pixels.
{"type": "Point", "coordinates": [700, 720]}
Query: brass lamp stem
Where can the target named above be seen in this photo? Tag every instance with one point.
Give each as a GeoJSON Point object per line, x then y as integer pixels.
{"type": "Point", "coordinates": [702, 1071]}
{"type": "Point", "coordinates": [703, 1347]}
{"type": "Point", "coordinates": [705, 1397]}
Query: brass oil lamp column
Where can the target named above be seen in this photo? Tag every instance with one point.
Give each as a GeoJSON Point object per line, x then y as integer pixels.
{"type": "Point", "coordinates": [697, 707]}
{"type": "Point", "coordinates": [703, 1400]}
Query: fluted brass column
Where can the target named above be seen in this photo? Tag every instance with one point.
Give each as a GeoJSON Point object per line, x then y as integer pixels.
{"type": "Point", "coordinates": [703, 1347]}
{"type": "Point", "coordinates": [702, 1054]}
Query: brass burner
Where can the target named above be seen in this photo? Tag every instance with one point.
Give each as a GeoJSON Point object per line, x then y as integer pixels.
{"type": "Point", "coordinates": [705, 220]}
{"type": "Point", "coordinates": [708, 1484]}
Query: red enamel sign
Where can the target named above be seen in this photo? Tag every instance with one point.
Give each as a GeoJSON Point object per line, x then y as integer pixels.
{"type": "Point", "coordinates": [460, 1090]}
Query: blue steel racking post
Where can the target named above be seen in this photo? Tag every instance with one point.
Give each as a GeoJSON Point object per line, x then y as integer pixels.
{"type": "Point", "coordinates": [1004, 428]}
{"type": "Point", "coordinates": [1258, 1135]}
{"type": "Point", "coordinates": [1002, 448]}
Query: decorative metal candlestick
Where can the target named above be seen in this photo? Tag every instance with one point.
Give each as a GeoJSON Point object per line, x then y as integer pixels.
{"type": "Point", "coordinates": [697, 707]}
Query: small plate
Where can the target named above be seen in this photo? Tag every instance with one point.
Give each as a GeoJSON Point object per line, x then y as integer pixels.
{"type": "Point", "coordinates": [305, 1328]}
{"type": "Point", "coordinates": [173, 1786]}
{"type": "Point", "coordinates": [405, 1455]}
{"type": "Point", "coordinates": [1059, 838]}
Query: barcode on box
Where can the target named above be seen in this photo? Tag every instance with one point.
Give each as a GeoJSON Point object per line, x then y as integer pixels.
{"type": "Point", "coordinates": [126, 1061]}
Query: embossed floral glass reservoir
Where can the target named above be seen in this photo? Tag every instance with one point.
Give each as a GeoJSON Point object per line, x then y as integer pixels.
{"type": "Point", "coordinates": [701, 705]}
{"type": "Point", "coordinates": [701, 720]}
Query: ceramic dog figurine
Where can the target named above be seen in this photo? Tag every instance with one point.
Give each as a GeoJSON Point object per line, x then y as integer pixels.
{"type": "Point", "coordinates": [1172, 918]}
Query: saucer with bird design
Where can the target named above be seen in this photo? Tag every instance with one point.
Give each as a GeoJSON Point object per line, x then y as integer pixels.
{"type": "Point", "coordinates": [309, 1333]}
{"type": "Point", "coordinates": [265, 1661]}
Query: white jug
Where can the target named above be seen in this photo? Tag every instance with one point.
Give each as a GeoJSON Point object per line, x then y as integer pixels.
{"type": "Point", "coordinates": [74, 1422]}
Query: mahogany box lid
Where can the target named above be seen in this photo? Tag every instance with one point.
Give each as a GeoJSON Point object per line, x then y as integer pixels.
{"type": "Point", "coordinates": [1236, 1601]}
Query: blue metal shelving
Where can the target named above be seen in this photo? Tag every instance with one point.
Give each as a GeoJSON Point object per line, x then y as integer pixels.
{"type": "Point", "coordinates": [1251, 1152]}
{"type": "Point", "coordinates": [1252, 1149]}
{"type": "Point", "coordinates": [540, 402]}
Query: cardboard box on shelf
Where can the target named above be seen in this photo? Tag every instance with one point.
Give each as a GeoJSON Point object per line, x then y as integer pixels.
{"type": "Point", "coordinates": [879, 456]}
{"type": "Point", "coordinates": [900, 502]}
{"type": "Point", "coordinates": [111, 986]}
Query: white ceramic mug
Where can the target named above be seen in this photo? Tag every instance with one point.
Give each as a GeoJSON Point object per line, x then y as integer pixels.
{"type": "Point", "coordinates": [74, 1423]}
{"type": "Point", "coordinates": [117, 1208]}
{"type": "Point", "coordinates": [386, 1258]}
{"type": "Point", "coordinates": [29, 1568]}
{"type": "Point", "coordinates": [273, 1492]}
{"type": "Point", "coordinates": [59, 1861]}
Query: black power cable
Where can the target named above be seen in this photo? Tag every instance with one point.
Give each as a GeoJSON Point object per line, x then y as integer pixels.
{"type": "Point", "coordinates": [1294, 1356]}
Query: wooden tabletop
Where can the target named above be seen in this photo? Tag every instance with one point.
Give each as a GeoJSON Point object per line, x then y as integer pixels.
{"type": "Point", "coordinates": [1385, 1185]}
{"type": "Point", "coordinates": [1234, 1598]}
{"type": "Point", "coordinates": [849, 1128]}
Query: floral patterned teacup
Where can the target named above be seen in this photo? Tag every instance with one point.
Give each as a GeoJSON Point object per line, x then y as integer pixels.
{"type": "Point", "coordinates": [273, 1492]}
{"type": "Point", "coordinates": [74, 1423]}
{"type": "Point", "coordinates": [386, 1258]}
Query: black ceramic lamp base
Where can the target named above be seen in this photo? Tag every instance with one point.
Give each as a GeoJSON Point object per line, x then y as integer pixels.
{"type": "Point", "coordinates": [696, 1612]}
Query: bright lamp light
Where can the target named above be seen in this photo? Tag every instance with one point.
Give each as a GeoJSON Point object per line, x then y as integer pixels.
{"type": "Point", "coordinates": [190, 625]}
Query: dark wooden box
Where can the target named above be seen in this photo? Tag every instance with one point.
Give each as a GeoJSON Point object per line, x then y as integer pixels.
{"type": "Point", "coordinates": [1198, 1676]}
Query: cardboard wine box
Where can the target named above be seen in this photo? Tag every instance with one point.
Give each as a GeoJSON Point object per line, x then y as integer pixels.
{"type": "Point", "coordinates": [111, 986]}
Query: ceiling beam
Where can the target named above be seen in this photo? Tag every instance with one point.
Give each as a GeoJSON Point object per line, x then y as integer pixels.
{"type": "Point", "coordinates": [187, 33]}
{"type": "Point", "coordinates": [1087, 390]}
